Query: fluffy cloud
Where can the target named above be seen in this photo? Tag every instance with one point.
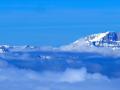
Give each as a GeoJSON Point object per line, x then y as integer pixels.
{"type": "Point", "coordinates": [21, 71]}
{"type": "Point", "coordinates": [71, 79]}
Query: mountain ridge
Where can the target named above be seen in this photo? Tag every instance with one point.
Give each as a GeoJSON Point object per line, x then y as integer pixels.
{"type": "Point", "coordinates": [107, 40]}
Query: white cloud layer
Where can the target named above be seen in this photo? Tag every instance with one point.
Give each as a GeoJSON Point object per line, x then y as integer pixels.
{"type": "Point", "coordinates": [13, 78]}
{"type": "Point", "coordinates": [71, 79]}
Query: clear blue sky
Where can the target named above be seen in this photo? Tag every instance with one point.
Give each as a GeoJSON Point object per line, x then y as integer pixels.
{"type": "Point", "coordinates": [55, 22]}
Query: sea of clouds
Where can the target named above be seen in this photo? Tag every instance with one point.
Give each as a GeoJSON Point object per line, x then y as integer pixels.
{"type": "Point", "coordinates": [72, 79]}
{"type": "Point", "coordinates": [14, 78]}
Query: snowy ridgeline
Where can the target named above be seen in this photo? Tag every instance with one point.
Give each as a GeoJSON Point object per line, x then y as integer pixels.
{"type": "Point", "coordinates": [108, 41]}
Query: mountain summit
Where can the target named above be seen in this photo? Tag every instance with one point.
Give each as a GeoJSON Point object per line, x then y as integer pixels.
{"type": "Point", "coordinates": [106, 40]}
{"type": "Point", "coordinates": [92, 42]}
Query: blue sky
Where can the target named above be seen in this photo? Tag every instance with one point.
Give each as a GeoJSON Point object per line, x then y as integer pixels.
{"type": "Point", "coordinates": [55, 22]}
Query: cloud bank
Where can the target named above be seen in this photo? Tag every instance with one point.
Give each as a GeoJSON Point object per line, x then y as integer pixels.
{"type": "Point", "coordinates": [71, 79]}
{"type": "Point", "coordinates": [58, 70]}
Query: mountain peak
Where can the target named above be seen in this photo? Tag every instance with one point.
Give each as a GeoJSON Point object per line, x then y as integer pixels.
{"type": "Point", "coordinates": [107, 39]}
{"type": "Point", "coordinates": [104, 40]}
{"type": "Point", "coordinates": [109, 36]}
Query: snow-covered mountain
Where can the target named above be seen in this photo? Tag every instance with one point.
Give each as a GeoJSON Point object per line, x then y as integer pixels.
{"type": "Point", "coordinates": [106, 40]}
{"type": "Point", "coordinates": [8, 48]}
{"type": "Point", "coordinates": [24, 48]}
{"type": "Point", "coordinates": [4, 48]}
